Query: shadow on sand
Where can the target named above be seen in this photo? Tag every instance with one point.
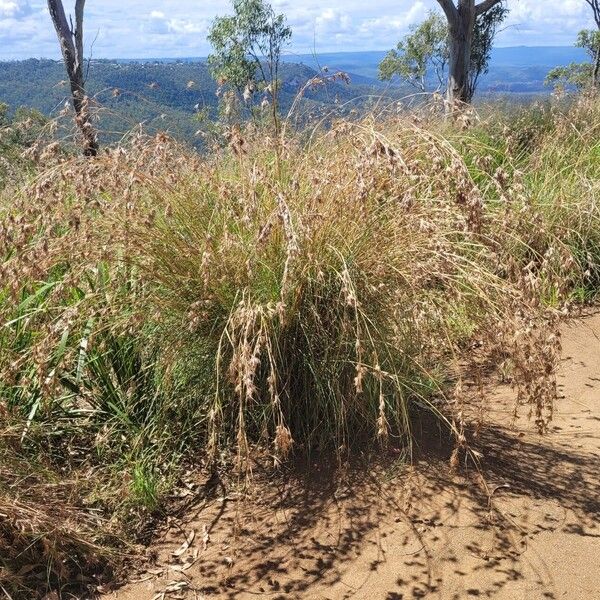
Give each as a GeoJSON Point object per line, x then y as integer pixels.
{"type": "Point", "coordinates": [317, 531]}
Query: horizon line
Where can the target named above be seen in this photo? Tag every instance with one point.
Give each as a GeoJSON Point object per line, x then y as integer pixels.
{"type": "Point", "coordinates": [286, 54]}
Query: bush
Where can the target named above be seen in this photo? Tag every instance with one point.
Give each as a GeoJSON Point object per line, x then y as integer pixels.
{"type": "Point", "coordinates": [159, 307]}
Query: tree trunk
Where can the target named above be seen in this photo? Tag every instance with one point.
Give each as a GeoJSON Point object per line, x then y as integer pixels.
{"type": "Point", "coordinates": [71, 45]}
{"type": "Point", "coordinates": [461, 25]}
{"type": "Point", "coordinates": [596, 75]}
{"type": "Point", "coordinates": [461, 38]}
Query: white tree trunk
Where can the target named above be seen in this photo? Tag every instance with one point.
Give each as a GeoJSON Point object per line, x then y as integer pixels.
{"type": "Point", "coordinates": [461, 24]}
{"type": "Point", "coordinates": [461, 38]}
{"type": "Point", "coordinates": [71, 45]}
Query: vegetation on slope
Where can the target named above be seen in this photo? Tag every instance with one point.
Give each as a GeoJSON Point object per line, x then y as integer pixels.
{"type": "Point", "coordinates": [160, 309]}
{"type": "Point", "coordinates": [172, 97]}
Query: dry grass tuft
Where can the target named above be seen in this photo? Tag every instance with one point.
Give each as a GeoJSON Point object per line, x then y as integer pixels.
{"type": "Point", "coordinates": [157, 305]}
{"type": "Point", "coordinates": [49, 539]}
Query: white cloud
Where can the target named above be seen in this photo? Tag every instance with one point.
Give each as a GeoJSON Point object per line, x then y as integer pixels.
{"type": "Point", "coordinates": [159, 24]}
{"type": "Point", "coordinates": [551, 22]}
{"type": "Point", "coordinates": [14, 8]}
{"type": "Point", "coordinates": [534, 10]}
{"type": "Point", "coordinates": [156, 23]}
{"type": "Point", "coordinates": [333, 22]}
{"type": "Point", "coordinates": [138, 28]}
{"type": "Point", "coordinates": [394, 24]}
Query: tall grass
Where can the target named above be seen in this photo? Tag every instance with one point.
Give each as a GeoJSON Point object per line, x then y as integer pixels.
{"type": "Point", "coordinates": [159, 308]}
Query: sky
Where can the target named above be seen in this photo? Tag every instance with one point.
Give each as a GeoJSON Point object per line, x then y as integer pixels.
{"type": "Point", "coordinates": [178, 28]}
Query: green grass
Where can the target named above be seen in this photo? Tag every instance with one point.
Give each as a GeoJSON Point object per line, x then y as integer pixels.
{"type": "Point", "coordinates": [160, 310]}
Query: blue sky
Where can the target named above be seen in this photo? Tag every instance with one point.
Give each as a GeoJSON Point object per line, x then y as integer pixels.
{"type": "Point", "coordinates": [171, 28]}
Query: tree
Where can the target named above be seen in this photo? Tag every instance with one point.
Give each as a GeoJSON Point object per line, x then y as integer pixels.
{"type": "Point", "coordinates": [425, 47]}
{"type": "Point", "coordinates": [428, 47]}
{"type": "Point", "coordinates": [462, 18]}
{"type": "Point", "coordinates": [484, 34]}
{"type": "Point", "coordinates": [71, 44]}
{"type": "Point", "coordinates": [247, 50]}
{"type": "Point", "coordinates": [595, 6]}
{"type": "Point", "coordinates": [580, 75]}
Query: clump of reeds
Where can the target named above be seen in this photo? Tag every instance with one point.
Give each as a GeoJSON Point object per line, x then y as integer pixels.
{"type": "Point", "coordinates": [318, 302]}
{"type": "Point", "coordinates": [157, 305]}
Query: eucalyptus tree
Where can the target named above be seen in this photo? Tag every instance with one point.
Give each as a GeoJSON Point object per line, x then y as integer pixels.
{"type": "Point", "coordinates": [70, 38]}
{"type": "Point", "coordinates": [462, 18]}
{"type": "Point", "coordinates": [580, 75]}
{"type": "Point", "coordinates": [419, 54]}
{"type": "Point", "coordinates": [423, 56]}
{"type": "Point", "coordinates": [595, 6]}
{"type": "Point", "coordinates": [247, 48]}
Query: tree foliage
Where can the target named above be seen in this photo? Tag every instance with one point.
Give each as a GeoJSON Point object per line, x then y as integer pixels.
{"type": "Point", "coordinates": [421, 58]}
{"type": "Point", "coordinates": [595, 43]}
{"type": "Point", "coordinates": [247, 49]}
{"type": "Point", "coordinates": [425, 48]}
{"type": "Point", "coordinates": [486, 28]}
{"type": "Point", "coordinates": [579, 75]}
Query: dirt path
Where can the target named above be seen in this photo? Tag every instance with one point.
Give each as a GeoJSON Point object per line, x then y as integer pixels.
{"type": "Point", "coordinates": [390, 535]}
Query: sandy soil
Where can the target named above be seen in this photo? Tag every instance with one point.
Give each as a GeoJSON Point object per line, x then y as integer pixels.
{"type": "Point", "coordinates": [530, 530]}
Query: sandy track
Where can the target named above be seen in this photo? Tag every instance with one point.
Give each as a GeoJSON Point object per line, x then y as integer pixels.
{"type": "Point", "coordinates": [394, 533]}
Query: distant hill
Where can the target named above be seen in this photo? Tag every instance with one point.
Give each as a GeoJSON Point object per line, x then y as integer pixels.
{"type": "Point", "coordinates": [163, 95]}
{"type": "Point", "coordinates": [169, 94]}
{"type": "Point", "coordinates": [512, 66]}
{"type": "Point", "coordinates": [514, 69]}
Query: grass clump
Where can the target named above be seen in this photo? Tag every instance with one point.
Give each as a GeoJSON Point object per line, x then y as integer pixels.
{"type": "Point", "coordinates": [160, 310]}
{"type": "Point", "coordinates": [308, 295]}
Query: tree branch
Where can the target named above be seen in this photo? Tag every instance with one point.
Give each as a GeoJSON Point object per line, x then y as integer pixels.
{"type": "Point", "coordinates": [59, 19]}
{"type": "Point", "coordinates": [78, 33]}
{"type": "Point", "coordinates": [450, 10]}
{"type": "Point", "coordinates": [484, 6]}
{"type": "Point", "coordinates": [89, 59]}
{"type": "Point", "coordinates": [595, 6]}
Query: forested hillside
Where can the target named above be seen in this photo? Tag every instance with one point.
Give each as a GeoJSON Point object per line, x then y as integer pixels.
{"type": "Point", "coordinates": [173, 95]}
{"type": "Point", "coordinates": [519, 69]}
{"type": "Point", "coordinates": [168, 96]}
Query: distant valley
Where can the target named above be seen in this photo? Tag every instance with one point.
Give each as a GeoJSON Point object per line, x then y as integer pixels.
{"type": "Point", "coordinates": [167, 94]}
{"type": "Point", "coordinates": [512, 69]}
{"type": "Point", "coordinates": [518, 69]}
